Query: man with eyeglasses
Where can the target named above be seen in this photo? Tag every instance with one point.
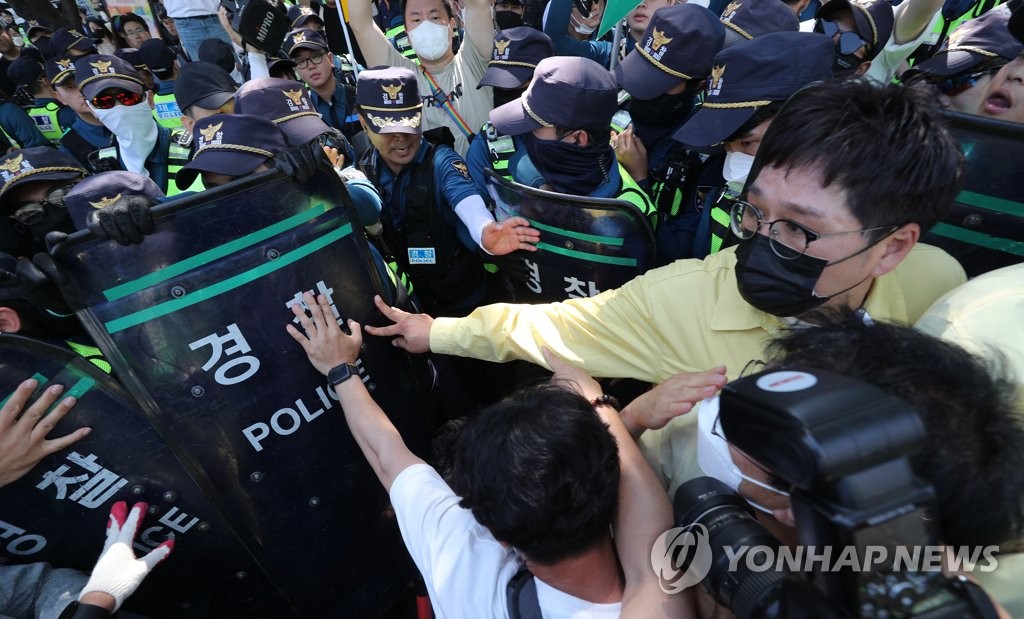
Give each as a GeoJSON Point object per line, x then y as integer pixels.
{"type": "Point", "coordinates": [133, 29]}
{"type": "Point", "coordinates": [333, 99]}
{"type": "Point", "coordinates": [832, 211]}
{"type": "Point", "coordinates": [115, 93]}
{"type": "Point", "coordinates": [871, 38]}
{"type": "Point", "coordinates": [964, 66]}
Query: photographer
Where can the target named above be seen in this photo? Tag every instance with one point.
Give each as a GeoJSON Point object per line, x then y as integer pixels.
{"type": "Point", "coordinates": [973, 450]}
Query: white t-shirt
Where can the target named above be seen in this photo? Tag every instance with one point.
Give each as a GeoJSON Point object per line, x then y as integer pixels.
{"type": "Point", "coordinates": [461, 75]}
{"type": "Point", "coordinates": [191, 8]}
{"type": "Point", "coordinates": [465, 569]}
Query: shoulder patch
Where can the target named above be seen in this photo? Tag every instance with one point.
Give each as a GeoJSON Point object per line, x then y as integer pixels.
{"type": "Point", "coordinates": [461, 168]}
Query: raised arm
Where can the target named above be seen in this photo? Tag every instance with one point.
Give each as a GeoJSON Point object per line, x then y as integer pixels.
{"type": "Point", "coordinates": [371, 40]}
{"type": "Point", "coordinates": [912, 17]}
{"type": "Point", "coordinates": [480, 26]}
{"type": "Point", "coordinates": [327, 347]}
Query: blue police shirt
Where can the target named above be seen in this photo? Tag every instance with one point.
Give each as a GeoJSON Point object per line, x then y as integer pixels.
{"type": "Point", "coordinates": [17, 124]}
{"type": "Point", "coordinates": [335, 112]}
{"type": "Point", "coordinates": [451, 186]}
{"type": "Point", "coordinates": [565, 45]}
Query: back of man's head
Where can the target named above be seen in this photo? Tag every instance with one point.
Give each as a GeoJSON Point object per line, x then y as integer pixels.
{"type": "Point", "coordinates": [887, 147]}
{"type": "Point", "coordinates": [540, 470]}
{"type": "Point", "coordinates": [973, 452]}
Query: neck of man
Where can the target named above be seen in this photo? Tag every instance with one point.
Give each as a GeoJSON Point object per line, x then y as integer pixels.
{"type": "Point", "coordinates": [326, 90]}
{"type": "Point", "coordinates": [636, 34]}
{"type": "Point", "coordinates": [436, 65]}
{"type": "Point", "coordinates": [593, 576]}
{"type": "Point", "coordinates": [90, 119]}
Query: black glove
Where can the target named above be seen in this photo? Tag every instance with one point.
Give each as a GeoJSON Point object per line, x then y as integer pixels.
{"type": "Point", "coordinates": [126, 221]}
{"type": "Point", "coordinates": [34, 285]}
{"type": "Point", "coordinates": [301, 162]}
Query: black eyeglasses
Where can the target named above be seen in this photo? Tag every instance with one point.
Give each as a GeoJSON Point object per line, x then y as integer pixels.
{"type": "Point", "coordinates": [849, 41]}
{"type": "Point", "coordinates": [33, 213]}
{"type": "Point", "coordinates": [788, 239]}
{"type": "Point", "coordinates": [308, 61]}
{"type": "Point", "coordinates": [962, 83]}
{"type": "Point", "coordinates": [124, 97]}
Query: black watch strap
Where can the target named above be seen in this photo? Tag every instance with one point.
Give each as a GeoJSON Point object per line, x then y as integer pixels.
{"type": "Point", "coordinates": [341, 373]}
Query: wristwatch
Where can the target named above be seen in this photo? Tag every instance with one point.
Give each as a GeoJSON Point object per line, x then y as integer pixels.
{"type": "Point", "coordinates": [341, 373]}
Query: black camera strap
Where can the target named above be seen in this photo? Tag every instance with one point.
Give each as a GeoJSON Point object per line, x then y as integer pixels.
{"type": "Point", "coordinates": [521, 595]}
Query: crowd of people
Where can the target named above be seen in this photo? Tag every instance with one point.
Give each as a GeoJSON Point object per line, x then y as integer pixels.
{"type": "Point", "coordinates": [786, 158]}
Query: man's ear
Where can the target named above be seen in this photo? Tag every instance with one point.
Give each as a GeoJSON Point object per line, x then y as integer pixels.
{"type": "Point", "coordinates": [896, 246]}
{"type": "Point", "coordinates": [187, 123]}
{"type": "Point", "coordinates": [863, 67]}
{"type": "Point", "coordinates": [10, 321]}
{"type": "Point", "coordinates": [582, 139]}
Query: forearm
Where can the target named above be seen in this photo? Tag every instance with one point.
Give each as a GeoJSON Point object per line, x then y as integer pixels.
{"type": "Point", "coordinates": [371, 40]}
{"type": "Point", "coordinates": [912, 18]}
{"type": "Point", "coordinates": [480, 26]}
{"type": "Point", "coordinates": [376, 436]}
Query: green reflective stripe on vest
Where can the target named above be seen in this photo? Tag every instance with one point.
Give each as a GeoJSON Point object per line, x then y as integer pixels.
{"type": "Point", "coordinates": [668, 199]}
{"type": "Point", "coordinates": [719, 227]}
{"type": "Point", "coordinates": [45, 119]}
{"type": "Point", "coordinates": [632, 193]}
{"type": "Point", "coordinates": [166, 111]}
{"type": "Point", "coordinates": [91, 353]}
{"type": "Point", "coordinates": [500, 148]}
{"type": "Point", "coordinates": [396, 271]}
{"type": "Point", "coordinates": [177, 157]}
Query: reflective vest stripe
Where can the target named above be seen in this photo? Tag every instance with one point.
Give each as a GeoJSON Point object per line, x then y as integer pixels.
{"type": "Point", "coordinates": [90, 353]}
{"type": "Point", "coordinates": [166, 111]}
{"type": "Point", "coordinates": [719, 227]}
{"type": "Point", "coordinates": [45, 119]}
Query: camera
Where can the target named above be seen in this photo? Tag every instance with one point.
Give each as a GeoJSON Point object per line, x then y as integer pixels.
{"type": "Point", "coordinates": [842, 446]}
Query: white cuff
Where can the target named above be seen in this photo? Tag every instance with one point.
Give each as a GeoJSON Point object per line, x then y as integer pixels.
{"type": "Point", "coordinates": [473, 212]}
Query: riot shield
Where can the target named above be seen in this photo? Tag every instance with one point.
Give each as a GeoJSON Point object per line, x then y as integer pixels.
{"type": "Point", "coordinates": [58, 511]}
{"type": "Point", "coordinates": [193, 322]}
{"type": "Point", "coordinates": [587, 245]}
{"type": "Point", "coordinates": [985, 228]}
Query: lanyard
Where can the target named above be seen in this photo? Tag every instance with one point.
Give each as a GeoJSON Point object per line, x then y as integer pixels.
{"type": "Point", "coordinates": [446, 104]}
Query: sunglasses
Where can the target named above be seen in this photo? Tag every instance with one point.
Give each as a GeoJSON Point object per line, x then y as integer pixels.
{"type": "Point", "coordinates": [107, 101]}
{"type": "Point", "coordinates": [849, 41]}
{"type": "Point", "coordinates": [962, 83]}
{"type": "Point", "coordinates": [33, 213]}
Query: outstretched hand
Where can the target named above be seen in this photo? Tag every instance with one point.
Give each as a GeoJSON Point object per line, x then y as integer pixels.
{"type": "Point", "coordinates": [672, 398]}
{"type": "Point", "coordinates": [23, 441]}
{"type": "Point", "coordinates": [505, 237]}
{"type": "Point", "coordinates": [410, 331]}
{"type": "Point", "coordinates": [326, 345]}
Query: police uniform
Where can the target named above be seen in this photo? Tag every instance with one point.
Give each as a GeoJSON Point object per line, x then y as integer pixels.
{"type": "Point", "coordinates": [339, 111]}
{"type": "Point", "coordinates": [165, 108]}
{"type": "Point", "coordinates": [49, 116]}
{"type": "Point", "coordinates": [421, 230]}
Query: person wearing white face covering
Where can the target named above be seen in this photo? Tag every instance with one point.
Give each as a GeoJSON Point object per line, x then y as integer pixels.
{"type": "Point", "coordinates": [447, 81]}
{"type": "Point", "coordinates": [748, 85]}
{"type": "Point", "coordinates": [115, 93]}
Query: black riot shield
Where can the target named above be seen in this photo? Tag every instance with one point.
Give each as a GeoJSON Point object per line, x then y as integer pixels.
{"type": "Point", "coordinates": [193, 322]}
{"type": "Point", "coordinates": [587, 245]}
{"type": "Point", "coordinates": [985, 228]}
{"type": "Point", "coordinates": [57, 512]}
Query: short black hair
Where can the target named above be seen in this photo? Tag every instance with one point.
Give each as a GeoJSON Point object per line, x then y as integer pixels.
{"type": "Point", "coordinates": [540, 470]}
{"type": "Point", "coordinates": [973, 451]}
{"type": "Point", "coordinates": [887, 146]}
{"type": "Point", "coordinates": [447, 7]}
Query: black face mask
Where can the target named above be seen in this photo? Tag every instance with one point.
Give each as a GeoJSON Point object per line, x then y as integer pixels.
{"type": "Point", "coordinates": [773, 285]}
{"type": "Point", "coordinates": [845, 64]}
{"type": "Point", "coordinates": [507, 19]}
{"type": "Point", "coordinates": [503, 95]}
{"type": "Point", "coordinates": [663, 110]}
{"type": "Point", "coordinates": [576, 170]}
{"type": "Point", "coordinates": [56, 220]}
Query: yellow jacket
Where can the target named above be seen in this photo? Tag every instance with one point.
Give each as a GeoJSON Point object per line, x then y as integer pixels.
{"type": "Point", "coordinates": [687, 316]}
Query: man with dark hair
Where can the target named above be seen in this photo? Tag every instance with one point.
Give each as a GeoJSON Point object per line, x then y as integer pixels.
{"type": "Point", "coordinates": [132, 28]}
{"type": "Point", "coordinates": [538, 480]}
{"type": "Point", "coordinates": [847, 178]}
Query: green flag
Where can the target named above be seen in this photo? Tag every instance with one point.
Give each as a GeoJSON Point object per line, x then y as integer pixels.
{"type": "Point", "coordinates": [614, 12]}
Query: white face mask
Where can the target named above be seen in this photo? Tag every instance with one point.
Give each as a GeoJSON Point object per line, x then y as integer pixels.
{"type": "Point", "coordinates": [18, 41]}
{"type": "Point", "coordinates": [136, 132]}
{"type": "Point", "coordinates": [737, 167]}
{"type": "Point", "coordinates": [430, 40]}
{"type": "Point", "coordinates": [713, 454]}
{"type": "Point", "coordinates": [580, 27]}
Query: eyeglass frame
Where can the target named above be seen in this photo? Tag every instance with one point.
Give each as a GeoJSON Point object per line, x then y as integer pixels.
{"type": "Point", "coordinates": [954, 85]}
{"type": "Point", "coordinates": [38, 207]}
{"type": "Point", "coordinates": [842, 34]}
{"type": "Point", "coordinates": [809, 234]}
{"type": "Point", "coordinates": [305, 63]}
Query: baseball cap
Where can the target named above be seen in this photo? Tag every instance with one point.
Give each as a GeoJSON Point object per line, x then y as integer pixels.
{"type": "Point", "coordinates": [567, 91]}
{"type": "Point", "coordinates": [39, 163]}
{"type": "Point", "coordinates": [678, 45]}
{"type": "Point", "coordinates": [60, 69]}
{"type": "Point", "coordinates": [752, 18]}
{"type": "Point", "coordinates": [284, 102]}
{"type": "Point", "coordinates": [304, 38]}
{"type": "Point", "coordinates": [390, 100]}
{"type": "Point", "coordinates": [873, 20]}
{"type": "Point", "coordinates": [158, 57]}
{"type": "Point", "coordinates": [978, 41]}
{"type": "Point", "coordinates": [298, 15]}
{"type": "Point", "coordinates": [514, 57]}
{"type": "Point", "coordinates": [98, 72]}
{"type": "Point", "coordinates": [231, 144]}
{"type": "Point", "coordinates": [203, 84]}
{"type": "Point", "coordinates": [753, 74]}
{"type": "Point", "coordinates": [33, 25]}
{"type": "Point", "coordinates": [103, 189]}
{"type": "Point", "coordinates": [24, 70]}
{"type": "Point", "coordinates": [132, 56]}
{"type": "Point", "coordinates": [218, 52]}
{"type": "Point", "coordinates": [65, 39]}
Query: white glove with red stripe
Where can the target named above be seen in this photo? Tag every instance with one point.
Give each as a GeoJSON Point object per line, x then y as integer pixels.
{"type": "Point", "coordinates": [118, 572]}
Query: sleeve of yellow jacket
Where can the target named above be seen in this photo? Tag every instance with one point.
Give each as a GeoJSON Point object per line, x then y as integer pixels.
{"type": "Point", "coordinates": [687, 316]}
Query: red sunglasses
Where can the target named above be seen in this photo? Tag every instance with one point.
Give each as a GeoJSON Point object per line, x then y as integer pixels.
{"type": "Point", "coordinates": [105, 102]}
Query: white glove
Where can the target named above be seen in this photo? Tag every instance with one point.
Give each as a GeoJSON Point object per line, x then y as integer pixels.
{"type": "Point", "coordinates": [117, 572]}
